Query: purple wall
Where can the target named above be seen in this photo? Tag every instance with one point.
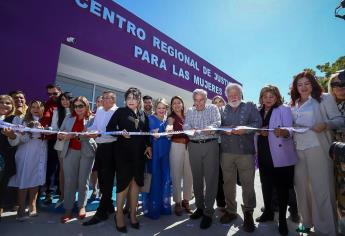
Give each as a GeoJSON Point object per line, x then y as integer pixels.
{"type": "Point", "coordinates": [32, 33]}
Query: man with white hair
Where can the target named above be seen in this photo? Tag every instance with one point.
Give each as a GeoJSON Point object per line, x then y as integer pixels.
{"type": "Point", "coordinates": [203, 155]}
{"type": "Point", "coordinates": [238, 155]}
{"type": "Point", "coordinates": [105, 157]}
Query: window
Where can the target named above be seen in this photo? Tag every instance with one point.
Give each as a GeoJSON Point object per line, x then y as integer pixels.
{"type": "Point", "coordinates": [88, 90]}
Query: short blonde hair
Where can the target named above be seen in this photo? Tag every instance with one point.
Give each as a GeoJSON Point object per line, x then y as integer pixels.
{"type": "Point", "coordinates": [160, 100]}
{"type": "Point", "coordinates": [330, 89]}
{"type": "Point", "coordinates": [9, 98]}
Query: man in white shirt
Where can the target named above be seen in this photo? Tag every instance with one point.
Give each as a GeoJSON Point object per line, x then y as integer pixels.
{"type": "Point", "coordinates": [105, 157]}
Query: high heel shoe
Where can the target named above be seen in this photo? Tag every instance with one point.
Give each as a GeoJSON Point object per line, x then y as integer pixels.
{"type": "Point", "coordinates": [82, 213]}
{"type": "Point", "coordinates": [64, 219]}
{"type": "Point", "coordinates": [122, 229]}
{"type": "Point", "coordinates": [134, 225]}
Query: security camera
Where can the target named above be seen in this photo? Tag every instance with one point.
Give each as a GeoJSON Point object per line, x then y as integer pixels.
{"type": "Point", "coordinates": [71, 40]}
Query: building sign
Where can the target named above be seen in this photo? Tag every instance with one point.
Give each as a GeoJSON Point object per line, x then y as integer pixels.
{"type": "Point", "coordinates": [178, 65]}
{"type": "Point", "coordinates": [33, 31]}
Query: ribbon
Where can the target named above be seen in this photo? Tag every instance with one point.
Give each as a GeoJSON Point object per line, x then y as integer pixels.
{"type": "Point", "coordinates": [22, 128]}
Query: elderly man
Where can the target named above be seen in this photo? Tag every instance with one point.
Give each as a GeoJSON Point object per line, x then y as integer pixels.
{"type": "Point", "coordinates": [203, 155]}
{"type": "Point", "coordinates": [105, 157]}
{"type": "Point", "coordinates": [237, 154]}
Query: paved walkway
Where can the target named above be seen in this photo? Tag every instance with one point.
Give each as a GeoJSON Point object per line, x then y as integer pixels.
{"type": "Point", "coordinates": [47, 224]}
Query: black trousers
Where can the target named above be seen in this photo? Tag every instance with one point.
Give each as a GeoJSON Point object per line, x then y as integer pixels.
{"type": "Point", "coordinates": [105, 163]}
{"type": "Point", "coordinates": [220, 198]}
{"type": "Point", "coordinates": [52, 174]}
{"type": "Point", "coordinates": [280, 179]}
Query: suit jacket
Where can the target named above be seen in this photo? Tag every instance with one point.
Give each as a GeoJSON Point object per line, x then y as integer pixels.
{"type": "Point", "coordinates": [327, 111]}
{"type": "Point", "coordinates": [282, 149]}
{"type": "Point", "coordinates": [88, 145]}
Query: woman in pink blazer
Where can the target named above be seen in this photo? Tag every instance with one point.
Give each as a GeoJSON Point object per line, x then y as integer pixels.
{"type": "Point", "coordinates": [276, 154]}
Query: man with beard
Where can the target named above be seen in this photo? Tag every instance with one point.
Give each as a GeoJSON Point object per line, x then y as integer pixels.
{"type": "Point", "coordinates": [147, 105]}
{"type": "Point", "coordinates": [238, 155]}
{"type": "Point", "coordinates": [54, 92]}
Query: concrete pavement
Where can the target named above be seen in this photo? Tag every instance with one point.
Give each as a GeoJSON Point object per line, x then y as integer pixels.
{"type": "Point", "coordinates": [48, 224]}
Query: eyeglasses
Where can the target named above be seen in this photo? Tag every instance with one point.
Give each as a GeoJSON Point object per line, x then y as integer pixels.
{"type": "Point", "coordinates": [338, 84]}
{"type": "Point", "coordinates": [53, 94]}
{"type": "Point", "coordinates": [80, 106]}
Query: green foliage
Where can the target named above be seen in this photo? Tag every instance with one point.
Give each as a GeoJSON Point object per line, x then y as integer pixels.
{"type": "Point", "coordinates": [328, 69]}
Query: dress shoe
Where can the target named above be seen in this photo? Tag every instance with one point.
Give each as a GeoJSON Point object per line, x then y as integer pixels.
{"type": "Point", "coordinates": [185, 205]}
{"type": "Point", "coordinates": [227, 218]}
{"type": "Point", "coordinates": [94, 220]}
{"type": "Point", "coordinates": [122, 229]}
{"type": "Point", "coordinates": [266, 216]}
{"type": "Point", "coordinates": [197, 214]}
{"type": "Point", "coordinates": [178, 209]}
{"type": "Point", "coordinates": [283, 228]}
{"type": "Point", "coordinates": [248, 222]}
{"type": "Point", "coordinates": [206, 222]}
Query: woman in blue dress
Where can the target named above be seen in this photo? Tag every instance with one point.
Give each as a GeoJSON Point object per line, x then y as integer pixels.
{"type": "Point", "coordinates": [158, 200]}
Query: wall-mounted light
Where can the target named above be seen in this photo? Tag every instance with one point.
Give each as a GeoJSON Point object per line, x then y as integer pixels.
{"type": "Point", "coordinates": [71, 40]}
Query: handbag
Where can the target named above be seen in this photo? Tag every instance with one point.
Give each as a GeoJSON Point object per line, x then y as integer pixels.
{"type": "Point", "coordinates": [147, 181]}
{"type": "Point", "coordinates": [58, 146]}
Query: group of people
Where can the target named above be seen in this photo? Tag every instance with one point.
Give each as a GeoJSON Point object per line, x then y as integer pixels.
{"type": "Point", "coordinates": [267, 136]}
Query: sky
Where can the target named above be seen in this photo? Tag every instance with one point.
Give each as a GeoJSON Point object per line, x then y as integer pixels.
{"type": "Point", "coordinates": [257, 42]}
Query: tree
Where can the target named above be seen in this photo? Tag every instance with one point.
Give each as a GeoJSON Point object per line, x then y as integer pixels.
{"type": "Point", "coordinates": [328, 69]}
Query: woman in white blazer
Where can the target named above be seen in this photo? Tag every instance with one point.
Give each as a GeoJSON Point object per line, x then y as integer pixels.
{"type": "Point", "coordinates": [78, 156]}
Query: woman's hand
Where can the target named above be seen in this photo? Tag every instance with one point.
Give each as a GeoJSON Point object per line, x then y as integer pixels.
{"type": "Point", "coordinates": [91, 135]}
{"type": "Point", "coordinates": [65, 136]}
{"type": "Point", "coordinates": [278, 132]}
{"type": "Point", "coordinates": [155, 134]}
{"type": "Point", "coordinates": [125, 134]}
{"type": "Point", "coordinates": [8, 132]}
{"type": "Point", "coordinates": [318, 128]}
{"type": "Point", "coordinates": [238, 131]}
{"type": "Point", "coordinates": [148, 152]}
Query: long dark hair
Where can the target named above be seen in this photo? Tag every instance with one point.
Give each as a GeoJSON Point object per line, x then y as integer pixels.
{"type": "Point", "coordinates": [316, 88]}
{"type": "Point", "coordinates": [171, 102]}
{"type": "Point", "coordinates": [61, 109]}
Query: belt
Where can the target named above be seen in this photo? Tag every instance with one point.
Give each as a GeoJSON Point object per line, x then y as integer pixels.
{"type": "Point", "coordinates": [203, 140]}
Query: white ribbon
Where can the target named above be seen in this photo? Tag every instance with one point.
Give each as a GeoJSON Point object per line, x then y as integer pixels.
{"type": "Point", "coordinates": [22, 128]}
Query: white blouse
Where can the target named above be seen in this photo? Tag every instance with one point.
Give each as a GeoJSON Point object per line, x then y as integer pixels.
{"type": "Point", "coordinates": [304, 116]}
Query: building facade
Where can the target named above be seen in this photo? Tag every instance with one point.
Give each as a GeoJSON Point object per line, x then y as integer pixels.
{"type": "Point", "coordinates": [87, 46]}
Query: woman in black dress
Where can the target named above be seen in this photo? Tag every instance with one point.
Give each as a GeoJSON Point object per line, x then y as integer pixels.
{"type": "Point", "coordinates": [7, 162]}
{"type": "Point", "coordinates": [131, 152]}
